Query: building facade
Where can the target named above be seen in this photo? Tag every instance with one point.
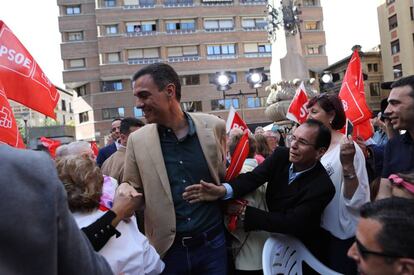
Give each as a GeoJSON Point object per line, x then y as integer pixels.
{"type": "Point", "coordinates": [104, 42]}
{"type": "Point", "coordinates": [396, 25]}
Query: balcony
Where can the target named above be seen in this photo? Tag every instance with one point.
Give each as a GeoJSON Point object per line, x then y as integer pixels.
{"type": "Point", "coordinates": [135, 61]}
{"type": "Point", "coordinates": [255, 55]}
{"type": "Point", "coordinates": [183, 58]}
{"type": "Point", "coordinates": [217, 2]}
{"type": "Point", "coordinates": [221, 56]}
{"type": "Point", "coordinates": [178, 3]}
{"type": "Point", "coordinates": [181, 31]}
{"type": "Point", "coordinates": [253, 2]}
{"type": "Point", "coordinates": [220, 30]}
{"type": "Point", "coordinates": [141, 33]}
{"type": "Point", "coordinates": [140, 6]}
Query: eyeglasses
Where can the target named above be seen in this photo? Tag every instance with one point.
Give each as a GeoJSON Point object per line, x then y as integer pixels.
{"type": "Point", "coordinates": [364, 252]}
{"type": "Point", "coordinates": [301, 141]}
{"type": "Point", "coordinates": [114, 129]}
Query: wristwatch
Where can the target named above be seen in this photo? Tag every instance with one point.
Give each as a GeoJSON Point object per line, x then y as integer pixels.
{"type": "Point", "coordinates": [349, 176]}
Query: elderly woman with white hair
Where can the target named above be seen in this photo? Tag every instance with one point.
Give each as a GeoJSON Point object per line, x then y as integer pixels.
{"type": "Point", "coordinates": [128, 253]}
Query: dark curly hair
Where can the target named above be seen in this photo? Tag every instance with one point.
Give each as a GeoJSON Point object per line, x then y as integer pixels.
{"type": "Point", "coordinates": [83, 181]}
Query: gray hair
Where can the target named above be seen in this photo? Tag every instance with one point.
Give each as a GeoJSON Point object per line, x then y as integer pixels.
{"type": "Point", "coordinates": [77, 147]}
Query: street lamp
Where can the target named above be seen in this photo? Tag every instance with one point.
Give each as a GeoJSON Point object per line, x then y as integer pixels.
{"type": "Point", "coordinates": [285, 16]}
{"type": "Point", "coordinates": [25, 117]}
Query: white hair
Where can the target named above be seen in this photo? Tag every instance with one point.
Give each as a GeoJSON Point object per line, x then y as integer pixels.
{"type": "Point", "coordinates": [77, 147]}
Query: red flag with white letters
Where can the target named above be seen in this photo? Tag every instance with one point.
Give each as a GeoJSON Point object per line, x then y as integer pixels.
{"type": "Point", "coordinates": [297, 110]}
{"type": "Point", "coordinates": [352, 92]}
{"type": "Point", "coordinates": [9, 130]}
{"type": "Point", "coordinates": [235, 121]}
{"type": "Point", "coordinates": [22, 78]}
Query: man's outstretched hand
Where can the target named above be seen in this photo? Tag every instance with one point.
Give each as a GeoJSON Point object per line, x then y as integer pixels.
{"type": "Point", "coordinates": [204, 191]}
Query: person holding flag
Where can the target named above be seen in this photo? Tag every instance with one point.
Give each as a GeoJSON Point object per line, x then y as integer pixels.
{"type": "Point", "coordinates": [345, 164]}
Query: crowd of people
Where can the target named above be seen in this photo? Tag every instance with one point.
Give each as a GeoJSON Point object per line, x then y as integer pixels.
{"type": "Point", "coordinates": [154, 200]}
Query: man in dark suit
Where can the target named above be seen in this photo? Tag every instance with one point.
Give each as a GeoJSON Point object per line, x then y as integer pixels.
{"type": "Point", "coordinates": [37, 232]}
{"type": "Point", "coordinates": [111, 148]}
{"type": "Point", "coordinates": [298, 189]}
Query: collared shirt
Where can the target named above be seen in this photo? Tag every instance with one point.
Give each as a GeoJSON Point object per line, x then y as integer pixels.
{"type": "Point", "coordinates": [398, 155]}
{"type": "Point", "coordinates": [294, 175]}
{"type": "Point", "coordinates": [186, 165]}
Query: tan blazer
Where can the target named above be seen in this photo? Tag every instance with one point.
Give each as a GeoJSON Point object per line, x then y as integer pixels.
{"type": "Point", "coordinates": [114, 165]}
{"type": "Point", "coordinates": [145, 170]}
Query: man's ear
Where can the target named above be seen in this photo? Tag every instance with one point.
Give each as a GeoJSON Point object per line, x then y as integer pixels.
{"type": "Point", "coordinates": [405, 266]}
{"type": "Point", "coordinates": [170, 90]}
{"type": "Point", "coordinates": [320, 152]}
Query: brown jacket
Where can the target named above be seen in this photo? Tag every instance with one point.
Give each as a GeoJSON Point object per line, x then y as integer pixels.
{"type": "Point", "coordinates": [145, 170]}
{"type": "Point", "coordinates": [114, 165]}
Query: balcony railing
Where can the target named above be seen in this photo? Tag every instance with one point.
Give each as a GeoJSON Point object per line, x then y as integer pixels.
{"type": "Point", "coordinates": [255, 28]}
{"type": "Point", "coordinates": [221, 56]}
{"type": "Point", "coordinates": [134, 61]}
{"type": "Point", "coordinates": [140, 6]}
{"type": "Point", "coordinates": [253, 2]}
{"type": "Point", "coordinates": [174, 3]}
{"type": "Point", "coordinates": [141, 33]}
{"type": "Point", "coordinates": [217, 3]}
{"type": "Point", "coordinates": [184, 58]}
{"type": "Point", "coordinates": [254, 55]}
{"type": "Point", "coordinates": [220, 30]}
{"type": "Point", "coordinates": [180, 31]}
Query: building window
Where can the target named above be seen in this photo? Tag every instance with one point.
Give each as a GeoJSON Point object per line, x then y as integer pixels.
{"type": "Point", "coordinates": [310, 3]}
{"type": "Point", "coordinates": [192, 106]}
{"type": "Point", "coordinates": [81, 91]}
{"type": "Point", "coordinates": [411, 13]}
{"type": "Point", "coordinates": [395, 46]}
{"type": "Point", "coordinates": [111, 113]}
{"type": "Point", "coordinates": [180, 25]}
{"type": "Point", "coordinates": [75, 36]}
{"type": "Point", "coordinates": [312, 25]}
{"type": "Point", "coordinates": [314, 49]}
{"type": "Point", "coordinates": [83, 117]}
{"type": "Point", "coordinates": [111, 29]}
{"type": "Point", "coordinates": [389, 2]}
{"type": "Point", "coordinates": [77, 63]}
{"type": "Point", "coordinates": [110, 3]}
{"type": "Point", "coordinates": [227, 49]}
{"type": "Point", "coordinates": [143, 56]}
{"type": "Point", "coordinates": [70, 108]}
{"type": "Point", "coordinates": [224, 104]}
{"type": "Point", "coordinates": [173, 3]}
{"type": "Point", "coordinates": [256, 102]}
{"type": "Point", "coordinates": [253, 23]}
{"type": "Point", "coordinates": [397, 69]}
{"type": "Point", "coordinates": [141, 27]}
{"type": "Point", "coordinates": [71, 10]}
{"type": "Point", "coordinates": [374, 89]}
{"type": "Point", "coordinates": [187, 80]}
{"type": "Point", "coordinates": [146, 3]}
{"type": "Point", "coordinates": [218, 24]}
{"type": "Point", "coordinates": [372, 67]}
{"type": "Point", "coordinates": [182, 51]}
{"type": "Point", "coordinates": [114, 57]}
{"type": "Point", "coordinates": [111, 86]}
{"type": "Point", "coordinates": [63, 105]}
{"type": "Point", "coordinates": [392, 22]}
{"type": "Point", "coordinates": [257, 48]}
{"type": "Point", "coordinates": [138, 112]}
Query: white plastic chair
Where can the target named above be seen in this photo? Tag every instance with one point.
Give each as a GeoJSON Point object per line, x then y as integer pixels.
{"type": "Point", "coordinates": [284, 254]}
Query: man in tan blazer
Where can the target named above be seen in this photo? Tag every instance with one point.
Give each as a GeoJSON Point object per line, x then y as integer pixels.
{"type": "Point", "coordinates": [175, 150]}
{"type": "Point", "coordinates": [114, 165]}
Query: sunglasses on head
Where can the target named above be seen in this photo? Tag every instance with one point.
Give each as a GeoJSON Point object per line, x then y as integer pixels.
{"type": "Point", "coordinates": [364, 252]}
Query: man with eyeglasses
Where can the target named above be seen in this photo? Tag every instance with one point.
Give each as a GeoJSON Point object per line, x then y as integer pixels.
{"type": "Point", "coordinates": [298, 190]}
{"type": "Point", "coordinates": [111, 148]}
{"type": "Point", "coordinates": [384, 242]}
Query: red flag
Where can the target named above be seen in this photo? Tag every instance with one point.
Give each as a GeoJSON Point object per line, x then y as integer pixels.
{"type": "Point", "coordinates": [22, 78]}
{"type": "Point", "coordinates": [352, 92]}
{"type": "Point", "coordinates": [363, 129]}
{"type": "Point", "coordinates": [239, 156]}
{"type": "Point", "coordinates": [297, 110]}
{"type": "Point", "coordinates": [9, 130]}
{"type": "Point", "coordinates": [94, 148]}
{"type": "Point", "coordinates": [51, 145]}
{"type": "Point", "coordinates": [235, 121]}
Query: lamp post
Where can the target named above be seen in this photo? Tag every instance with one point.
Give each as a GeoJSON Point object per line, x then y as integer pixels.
{"type": "Point", "coordinates": [25, 118]}
{"type": "Point", "coordinates": [255, 78]}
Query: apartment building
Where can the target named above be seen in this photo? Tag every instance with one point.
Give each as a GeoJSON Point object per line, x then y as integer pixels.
{"type": "Point", "coordinates": [396, 25]}
{"type": "Point", "coordinates": [104, 42]}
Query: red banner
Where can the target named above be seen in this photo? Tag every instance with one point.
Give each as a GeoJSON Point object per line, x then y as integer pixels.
{"type": "Point", "coordinates": [9, 130]}
{"type": "Point", "coordinates": [22, 78]}
{"type": "Point", "coordinates": [235, 121]}
{"type": "Point", "coordinates": [352, 92]}
{"type": "Point", "coordinates": [297, 110]}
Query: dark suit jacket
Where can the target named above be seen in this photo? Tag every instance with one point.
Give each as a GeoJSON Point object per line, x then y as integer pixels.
{"type": "Point", "coordinates": [294, 208]}
{"type": "Point", "coordinates": [38, 234]}
{"type": "Point", "coordinates": [105, 153]}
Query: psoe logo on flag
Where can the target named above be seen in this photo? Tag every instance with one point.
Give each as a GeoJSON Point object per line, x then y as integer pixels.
{"type": "Point", "coordinates": [13, 56]}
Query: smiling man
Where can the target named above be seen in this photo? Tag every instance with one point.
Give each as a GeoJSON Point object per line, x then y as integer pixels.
{"type": "Point", "coordinates": [172, 151]}
{"type": "Point", "coordinates": [384, 242]}
{"type": "Point", "coordinates": [298, 189]}
{"type": "Point", "coordinates": [399, 151]}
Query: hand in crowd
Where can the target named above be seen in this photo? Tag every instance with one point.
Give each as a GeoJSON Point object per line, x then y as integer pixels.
{"type": "Point", "coordinates": [125, 205]}
{"type": "Point", "coordinates": [347, 153]}
{"type": "Point", "coordinates": [235, 207]}
{"type": "Point", "coordinates": [127, 192]}
{"type": "Point", "coordinates": [361, 143]}
{"type": "Point", "coordinates": [204, 191]}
